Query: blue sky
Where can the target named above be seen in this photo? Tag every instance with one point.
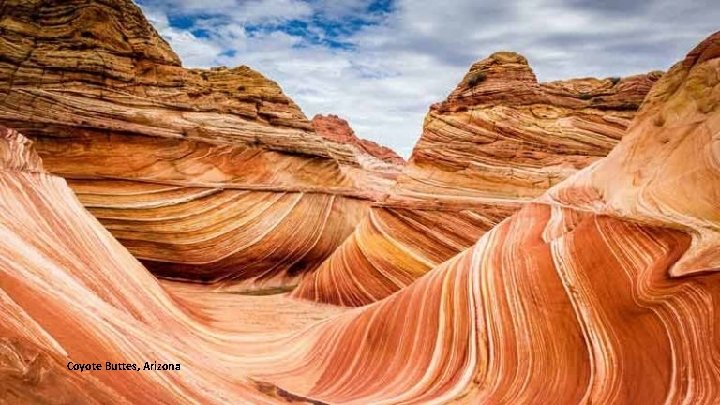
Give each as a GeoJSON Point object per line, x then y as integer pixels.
{"type": "Point", "coordinates": [381, 63]}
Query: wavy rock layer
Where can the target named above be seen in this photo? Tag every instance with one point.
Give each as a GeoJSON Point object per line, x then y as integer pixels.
{"type": "Point", "coordinates": [600, 291]}
{"type": "Point", "coordinates": [200, 173]}
{"type": "Point", "coordinates": [499, 140]}
{"type": "Point", "coordinates": [605, 290]}
{"type": "Point", "coordinates": [69, 292]}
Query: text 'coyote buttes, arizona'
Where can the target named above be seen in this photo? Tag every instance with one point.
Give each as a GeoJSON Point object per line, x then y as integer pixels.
{"type": "Point", "coordinates": [549, 242]}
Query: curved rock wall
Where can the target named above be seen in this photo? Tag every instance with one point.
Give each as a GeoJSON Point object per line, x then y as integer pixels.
{"type": "Point", "coordinates": [202, 174]}
{"type": "Point", "coordinates": [499, 140]}
{"type": "Point", "coordinates": [605, 289]}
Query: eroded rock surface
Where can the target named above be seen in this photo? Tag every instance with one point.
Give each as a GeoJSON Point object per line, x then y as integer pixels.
{"type": "Point", "coordinates": [70, 294]}
{"type": "Point", "coordinates": [207, 175]}
{"type": "Point", "coordinates": [499, 140]}
{"type": "Point", "coordinates": [604, 289]}
{"type": "Point", "coordinates": [337, 130]}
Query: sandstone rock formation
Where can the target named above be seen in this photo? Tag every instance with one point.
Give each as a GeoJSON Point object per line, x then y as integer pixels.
{"type": "Point", "coordinates": [71, 294]}
{"type": "Point", "coordinates": [337, 130]}
{"type": "Point", "coordinates": [370, 165]}
{"type": "Point", "coordinates": [605, 289]}
{"type": "Point", "coordinates": [202, 174]}
{"type": "Point", "coordinates": [499, 140]}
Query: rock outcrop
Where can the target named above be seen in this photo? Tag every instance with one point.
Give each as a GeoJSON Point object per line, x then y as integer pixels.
{"type": "Point", "coordinates": [498, 141]}
{"type": "Point", "coordinates": [501, 134]}
{"type": "Point", "coordinates": [207, 175]}
{"type": "Point", "coordinates": [371, 166]}
{"type": "Point", "coordinates": [71, 295]}
{"type": "Point", "coordinates": [604, 289]}
{"type": "Point", "coordinates": [337, 130]}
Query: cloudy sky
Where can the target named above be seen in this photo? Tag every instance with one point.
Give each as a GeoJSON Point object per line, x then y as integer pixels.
{"type": "Point", "coordinates": [381, 63]}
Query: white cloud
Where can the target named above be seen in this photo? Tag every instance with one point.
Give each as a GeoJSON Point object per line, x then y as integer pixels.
{"type": "Point", "coordinates": [415, 55]}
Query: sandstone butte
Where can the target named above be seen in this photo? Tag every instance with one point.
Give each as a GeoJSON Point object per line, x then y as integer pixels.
{"type": "Point", "coordinates": [201, 174]}
{"type": "Point", "coordinates": [499, 140]}
{"type": "Point", "coordinates": [373, 166]}
{"type": "Point", "coordinates": [603, 289]}
{"type": "Point", "coordinates": [337, 130]}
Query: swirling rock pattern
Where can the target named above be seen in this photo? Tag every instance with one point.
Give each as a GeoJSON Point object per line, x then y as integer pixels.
{"type": "Point", "coordinates": [69, 292]}
{"type": "Point", "coordinates": [202, 174]}
{"type": "Point", "coordinates": [499, 140]}
{"type": "Point", "coordinates": [603, 290]}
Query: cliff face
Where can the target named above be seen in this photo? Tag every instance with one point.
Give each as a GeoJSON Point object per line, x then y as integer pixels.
{"type": "Point", "coordinates": [498, 141]}
{"type": "Point", "coordinates": [202, 174]}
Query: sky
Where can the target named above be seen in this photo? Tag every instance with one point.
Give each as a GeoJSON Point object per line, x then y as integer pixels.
{"type": "Point", "coordinates": [380, 64]}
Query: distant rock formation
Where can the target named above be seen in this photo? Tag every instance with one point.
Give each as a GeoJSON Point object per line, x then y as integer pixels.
{"type": "Point", "coordinates": [501, 134]}
{"type": "Point", "coordinates": [335, 129]}
{"type": "Point", "coordinates": [207, 175]}
{"type": "Point", "coordinates": [369, 165]}
{"type": "Point", "coordinates": [498, 141]}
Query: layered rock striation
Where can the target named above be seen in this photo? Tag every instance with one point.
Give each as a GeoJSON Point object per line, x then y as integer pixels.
{"type": "Point", "coordinates": [207, 175]}
{"type": "Point", "coordinates": [502, 134]}
{"type": "Point", "coordinates": [71, 295]}
{"type": "Point", "coordinates": [337, 130]}
{"type": "Point", "coordinates": [602, 290]}
{"type": "Point", "coordinates": [499, 140]}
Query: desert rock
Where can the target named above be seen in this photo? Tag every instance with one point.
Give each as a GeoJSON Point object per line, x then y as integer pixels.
{"type": "Point", "coordinates": [499, 140]}
{"type": "Point", "coordinates": [204, 174]}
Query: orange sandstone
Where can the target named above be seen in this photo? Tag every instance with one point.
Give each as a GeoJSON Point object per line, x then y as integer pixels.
{"type": "Point", "coordinates": [205, 175]}
{"type": "Point", "coordinates": [498, 141]}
